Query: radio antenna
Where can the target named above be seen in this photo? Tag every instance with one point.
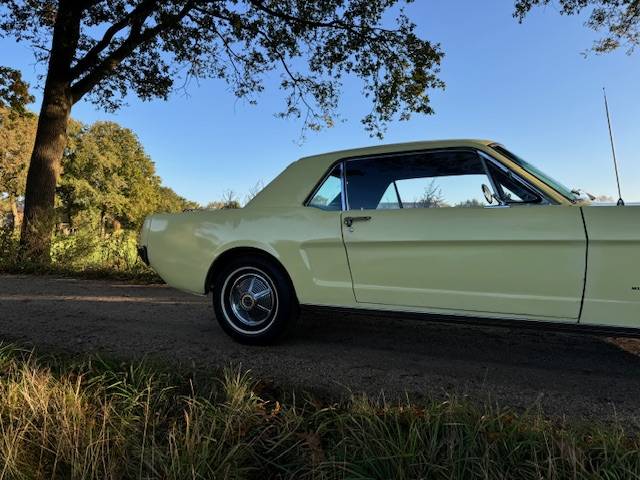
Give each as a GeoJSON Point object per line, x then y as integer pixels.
{"type": "Point", "coordinates": [613, 148]}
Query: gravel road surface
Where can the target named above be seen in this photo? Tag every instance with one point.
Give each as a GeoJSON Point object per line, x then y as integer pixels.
{"type": "Point", "coordinates": [578, 376]}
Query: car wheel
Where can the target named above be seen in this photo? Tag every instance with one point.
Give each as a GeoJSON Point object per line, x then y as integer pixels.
{"type": "Point", "coordinates": [253, 300]}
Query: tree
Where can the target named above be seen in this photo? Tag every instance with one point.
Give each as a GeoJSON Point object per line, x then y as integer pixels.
{"type": "Point", "coordinates": [105, 170]}
{"type": "Point", "coordinates": [431, 197]}
{"type": "Point", "coordinates": [17, 133]}
{"type": "Point", "coordinates": [229, 200]}
{"type": "Point", "coordinates": [470, 203]}
{"type": "Point", "coordinates": [619, 18]}
{"type": "Point", "coordinates": [170, 202]}
{"type": "Point", "coordinates": [253, 191]}
{"type": "Point", "coordinates": [105, 48]}
{"type": "Point", "coordinates": [17, 130]}
{"type": "Point", "coordinates": [14, 92]}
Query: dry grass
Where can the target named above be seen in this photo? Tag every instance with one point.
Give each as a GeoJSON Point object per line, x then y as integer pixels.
{"type": "Point", "coordinates": [91, 419]}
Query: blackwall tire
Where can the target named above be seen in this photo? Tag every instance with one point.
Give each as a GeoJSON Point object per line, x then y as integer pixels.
{"type": "Point", "coordinates": [254, 301]}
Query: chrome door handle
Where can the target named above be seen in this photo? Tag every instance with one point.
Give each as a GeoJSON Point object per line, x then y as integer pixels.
{"type": "Point", "coordinates": [348, 221]}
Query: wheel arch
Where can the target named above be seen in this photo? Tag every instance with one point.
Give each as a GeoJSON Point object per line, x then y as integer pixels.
{"type": "Point", "coordinates": [236, 252]}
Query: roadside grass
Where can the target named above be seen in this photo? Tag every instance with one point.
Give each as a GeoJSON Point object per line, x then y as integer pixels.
{"type": "Point", "coordinates": [94, 419]}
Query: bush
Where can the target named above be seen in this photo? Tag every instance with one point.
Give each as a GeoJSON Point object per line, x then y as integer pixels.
{"type": "Point", "coordinates": [85, 252]}
{"type": "Point", "coordinates": [9, 242]}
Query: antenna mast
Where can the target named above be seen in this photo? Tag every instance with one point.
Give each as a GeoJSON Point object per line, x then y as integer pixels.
{"type": "Point", "coordinates": [613, 148]}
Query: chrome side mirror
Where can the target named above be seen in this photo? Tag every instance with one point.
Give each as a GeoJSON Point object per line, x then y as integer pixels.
{"type": "Point", "coordinates": [488, 194]}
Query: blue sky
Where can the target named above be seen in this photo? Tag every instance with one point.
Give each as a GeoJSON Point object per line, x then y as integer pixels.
{"type": "Point", "coordinates": [527, 86]}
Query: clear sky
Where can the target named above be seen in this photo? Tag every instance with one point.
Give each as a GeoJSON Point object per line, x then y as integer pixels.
{"type": "Point", "coordinates": [527, 86]}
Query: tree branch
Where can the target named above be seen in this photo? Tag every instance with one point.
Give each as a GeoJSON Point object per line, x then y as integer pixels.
{"type": "Point", "coordinates": [258, 4]}
{"type": "Point", "coordinates": [142, 11]}
{"type": "Point", "coordinates": [296, 81]}
{"type": "Point", "coordinates": [291, 19]}
{"type": "Point", "coordinates": [136, 38]}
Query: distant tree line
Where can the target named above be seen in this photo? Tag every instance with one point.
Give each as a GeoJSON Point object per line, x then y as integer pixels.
{"type": "Point", "coordinates": [107, 180]}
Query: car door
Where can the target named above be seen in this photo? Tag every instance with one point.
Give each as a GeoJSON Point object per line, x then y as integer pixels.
{"type": "Point", "coordinates": [419, 233]}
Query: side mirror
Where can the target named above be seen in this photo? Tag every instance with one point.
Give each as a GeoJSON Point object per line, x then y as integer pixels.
{"type": "Point", "coordinates": [488, 194]}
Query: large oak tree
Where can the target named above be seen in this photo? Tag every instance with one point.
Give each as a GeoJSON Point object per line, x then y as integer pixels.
{"type": "Point", "coordinates": [105, 49]}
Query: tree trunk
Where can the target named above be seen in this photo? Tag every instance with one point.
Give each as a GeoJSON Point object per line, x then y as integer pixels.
{"type": "Point", "coordinates": [51, 136]}
{"type": "Point", "coordinates": [44, 170]}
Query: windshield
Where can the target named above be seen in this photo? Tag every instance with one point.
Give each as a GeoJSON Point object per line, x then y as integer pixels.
{"type": "Point", "coordinates": [557, 186]}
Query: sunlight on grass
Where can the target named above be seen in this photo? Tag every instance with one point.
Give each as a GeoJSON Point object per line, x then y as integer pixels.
{"type": "Point", "coordinates": [94, 419]}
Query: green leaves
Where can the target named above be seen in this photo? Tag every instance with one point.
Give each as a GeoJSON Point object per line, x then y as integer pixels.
{"type": "Point", "coordinates": [14, 92]}
{"type": "Point", "coordinates": [17, 133]}
{"type": "Point", "coordinates": [619, 19]}
{"type": "Point", "coordinates": [106, 172]}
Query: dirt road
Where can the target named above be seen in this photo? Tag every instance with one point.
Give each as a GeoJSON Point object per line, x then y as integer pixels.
{"type": "Point", "coordinates": [574, 375]}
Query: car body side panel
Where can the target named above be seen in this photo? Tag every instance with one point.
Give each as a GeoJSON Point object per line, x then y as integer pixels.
{"type": "Point", "coordinates": [517, 261]}
{"type": "Point", "coordinates": [306, 241]}
{"type": "Point", "coordinates": [612, 293]}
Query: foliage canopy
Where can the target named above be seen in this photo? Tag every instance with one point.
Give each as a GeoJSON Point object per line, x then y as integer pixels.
{"type": "Point", "coordinates": [620, 19]}
{"type": "Point", "coordinates": [17, 133]}
{"type": "Point", "coordinates": [14, 91]}
{"type": "Point", "coordinates": [115, 47]}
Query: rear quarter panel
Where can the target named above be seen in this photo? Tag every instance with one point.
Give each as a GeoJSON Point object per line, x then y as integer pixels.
{"type": "Point", "coordinates": [306, 241]}
{"type": "Point", "coordinates": [612, 290]}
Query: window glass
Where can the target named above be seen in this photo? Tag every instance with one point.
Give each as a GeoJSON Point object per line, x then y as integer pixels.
{"type": "Point", "coordinates": [557, 186]}
{"type": "Point", "coordinates": [511, 190]}
{"type": "Point", "coordinates": [389, 198]}
{"type": "Point", "coordinates": [329, 195]}
{"type": "Point", "coordinates": [425, 180]}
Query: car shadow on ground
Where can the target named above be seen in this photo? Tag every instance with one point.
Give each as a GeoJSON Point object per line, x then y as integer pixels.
{"type": "Point", "coordinates": [437, 339]}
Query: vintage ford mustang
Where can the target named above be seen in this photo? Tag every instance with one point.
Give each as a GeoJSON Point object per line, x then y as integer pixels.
{"type": "Point", "coordinates": [450, 229]}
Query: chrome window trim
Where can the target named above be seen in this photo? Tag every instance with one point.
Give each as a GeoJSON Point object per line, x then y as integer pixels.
{"type": "Point", "coordinates": [343, 176]}
{"type": "Point", "coordinates": [394, 155]}
{"type": "Point", "coordinates": [545, 200]}
{"type": "Point", "coordinates": [496, 191]}
{"type": "Point", "coordinates": [395, 186]}
{"type": "Point", "coordinates": [484, 157]}
{"type": "Point", "coordinates": [496, 144]}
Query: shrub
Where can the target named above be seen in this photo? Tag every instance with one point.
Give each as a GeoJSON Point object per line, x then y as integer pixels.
{"type": "Point", "coordinates": [85, 252]}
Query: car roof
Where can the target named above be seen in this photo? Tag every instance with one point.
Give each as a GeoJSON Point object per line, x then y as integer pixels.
{"type": "Point", "coordinates": [397, 147]}
{"type": "Point", "coordinates": [296, 181]}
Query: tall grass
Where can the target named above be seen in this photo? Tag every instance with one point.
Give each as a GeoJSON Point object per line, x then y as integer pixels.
{"type": "Point", "coordinates": [92, 419]}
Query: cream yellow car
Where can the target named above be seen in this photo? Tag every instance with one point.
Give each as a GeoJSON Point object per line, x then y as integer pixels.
{"type": "Point", "coordinates": [459, 229]}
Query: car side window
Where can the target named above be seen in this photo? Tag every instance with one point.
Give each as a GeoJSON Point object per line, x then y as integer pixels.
{"type": "Point", "coordinates": [511, 190]}
{"type": "Point", "coordinates": [328, 195]}
{"type": "Point", "coordinates": [421, 180]}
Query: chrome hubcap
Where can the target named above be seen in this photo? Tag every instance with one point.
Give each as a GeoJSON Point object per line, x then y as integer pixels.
{"type": "Point", "coordinates": [252, 299]}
